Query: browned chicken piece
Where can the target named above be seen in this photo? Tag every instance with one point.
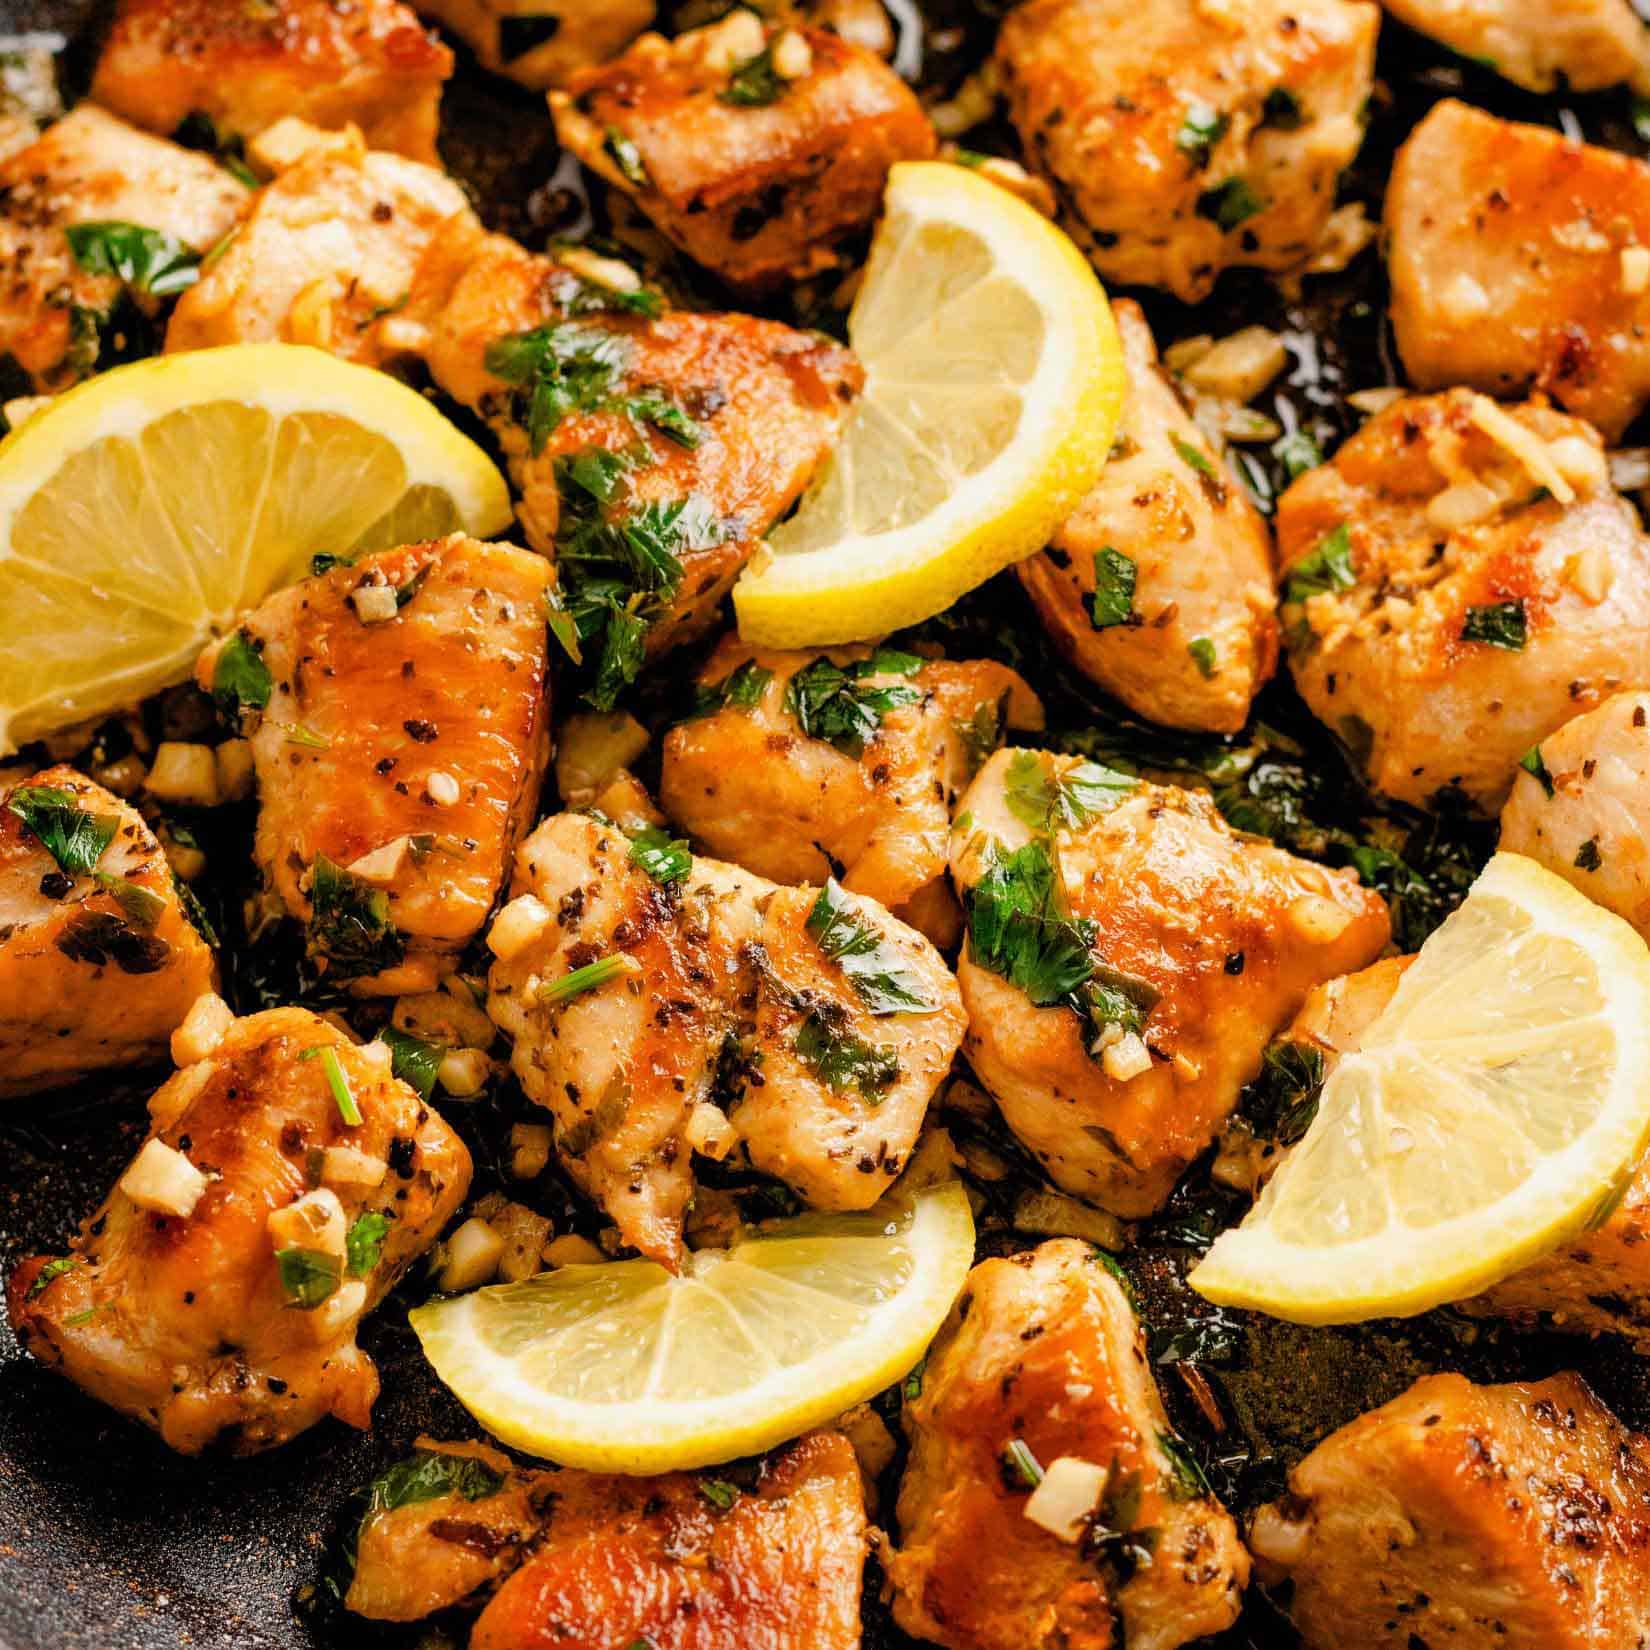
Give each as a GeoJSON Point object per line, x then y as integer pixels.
{"type": "Point", "coordinates": [1042, 1366]}
{"type": "Point", "coordinates": [595, 1561]}
{"type": "Point", "coordinates": [287, 1182]}
{"type": "Point", "coordinates": [326, 255]}
{"type": "Point", "coordinates": [759, 150]}
{"type": "Point", "coordinates": [541, 42]}
{"type": "Point", "coordinates": [92, 169]}
{"type": "Point", "coordinates": [1128, 959]}
{"type": "Point", "coordinates": [1518, 261]}
{"type": "Point", "coordinates": [726, 416]}
{"type": "Point", "coordinates": [1480, 1517]}
{"type": "Point", "coordinates": [1541, 45]}
{"type": "Point", "coordinates": [661, 1006]}
{"type": "Point", "coordinates": [369, 63]}
{"type": "Point", "coordinates": [801, 766]}
{"type": "Point", "coordinates": [1582, 806]}
{"type": "Point", "coordinates": [1160, 587]}
{"type": "Point", "coordinates": [1183, 136]}
{"type": "Point", "coordinates": [399, 748]}
{"type": "Point", "coordinates": [1458, 582]}
{"type": "Point", "coordinates": [98, 960]}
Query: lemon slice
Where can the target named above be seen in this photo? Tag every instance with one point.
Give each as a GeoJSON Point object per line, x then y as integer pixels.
{"type": "Point", "coordinates": [624, 1368]}
{"type": "Point", "coordinates": [1496, 1107]}
{"type": "Point", "coordinates": [143, 511]}
{"type": "Point", "coordinates": [993, 386]}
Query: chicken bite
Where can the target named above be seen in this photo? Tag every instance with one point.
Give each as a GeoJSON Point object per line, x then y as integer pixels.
{"type": "Point", "coordinates": [1518, 261]}
{"type": "Point", "coordinates": [1578, 45]}
{"type": "Point", "coordinates": [1183, 137]}
{"type": "Point", "coordinates": [1580, 805]}
{"type": "Point", "coordinates": [98, 959]}
{"type": "Point", "coordinates": [541, 42]}
{"type": "Point", "coordinates": [801, 766]}
{"type": "Point", "coordinates": [89, 195]}
{"type": "Point", "coordinates": [1042, 1357]}
{"type": "Point", "coordinates": [652, 448]}
{"type": "Point", "coordinates": [287, 1181]}
{"type": "Point", "coordinates": [1160, 586]}
{"type": "Point", "coordinates": [1481, 1517]}
{"type": "Point", "coordinates": [1460, 580]}
{"type": "Point", "coordinates": [369, 63]}
{"type": "Point", "coordinates": [662, 1004]}
{"type": "Point", "coordinates": [327, 252]}
{"type": "Point", "coordinates": [589, 1560]}
{"type": "Point", "coordinates": [1128, 959]}
{"type": "Point", "coordinates": [757, 149]}
{"type": "Point", "coordinates": [400, 730]}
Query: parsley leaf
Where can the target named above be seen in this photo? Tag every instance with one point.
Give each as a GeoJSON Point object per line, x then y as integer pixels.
{"type": "Point", "coordinates": [665, 859]}
{"type": "Point", "coordinates": [1184, 1480]}
{"type": "Point", "coordinates": [413, 1060]}
{"type": "Point", "coordinates": [1282, 1101]}
{"type": "Point", "coordinates": [75, 838]}
{"type": "Point", "coordinates": [349, 921]}
{"type": "Point", "coordinates": [147, 260]}
{"type": "Point", "coordinates": [837, 704]}
{"type": "Point", "coordinates": [624, 154]}
{"type": "Point", "coordinates": [364, 1242]}
{"type": "Point", "coordinates": [1329, 567]}
{"type": "Point", "coordinates": [240, 679]}
{"type": "Point", "coordinates": [1500, 624]}
{"type": "Point", "coordinates": [1202, 651]}
{"type": "Point", "coordinates": [837, 922]}
{"type": "Point", "coordinates": [1112, 600]}
{"type": "Point", "coordinates": [1230, 203]}
{"type": "Point", "coordinates": [754, 83]}
{"type": "Point", "coordinates": [1297, 452]}
{"type": "Point", "coordinates": [1015, 929]}
{"type": "Point", "coordinates": [557, 370]}
{"type": "Point", "coordinates": [1533, 762]}
{"type": "Point", "coordinates": [1190, 455]}
{"type": "Point", "coordinates": [308, 1276]}
{"type": "Point", "coordinates": [1083, 792]}
{"type": "Point", "coordinates": [719, 1492]}
{"type": "Point", "coordinates": [839, 1059]}
{"type": "Point", "coordinates": [50, 1273]}
{"type": "Point", "coordinates": [741, 689]}
{"type": "Point", "coordinates": [1201, 129]}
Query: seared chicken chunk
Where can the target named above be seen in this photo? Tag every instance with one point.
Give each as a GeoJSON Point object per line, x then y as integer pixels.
{"type": "Point", "coordinates": [1580, 45]}
{"type": "Point", "coordinates": [541, 42]}
{"type": "Point", "coordinates": [1458, 582]}
{"type": "Point", "coordinates": [757, 150]}
{"type": "Point", "coordinates": [1183, 137]}
{"type": "Point", "coordinates": [701, 429]}
{"type": "Point", "coordinates": [215, 1294]}
{"type": "Point", "coordinates": [98, 961]}
{"type": "Point", "coordinates": [1042, 1354]}
{"type": "Point", "coordinates": [601, 1560]}
{"type": "Point", "coordinates": [800, 766]}
{"type": "Point", "coordinates": [1581, 806]}
{"type": "Point", "coordinates": [1160, 587]}
{"type": "Point", "coordinates": [648, 993]}
{"type": "Point", "coordinates": [327, 253]}
{"type": "Point", "coordinates": [1516, 259]}
{"type": "Point", "coordinates": [91, 169]}
{"type": "Point", "coordinates": [1480, 1517]}
{"type": "Point", "coordinates": [400, 742]}
{"type": "Point", "coordinates": [1128, 959]}
{"type": "Point", "coordinates": [369, 63]}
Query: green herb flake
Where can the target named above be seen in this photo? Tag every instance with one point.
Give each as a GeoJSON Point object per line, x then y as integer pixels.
{"type": "Point", "coordinates": [1021, 1469]}
{"type": "Point", "coordinates": [1015, 928]}
{"type": "Point", "coordinates": [1297, 452]}
{"type": "Point", "coordinates": [349, 921]}
{"type": "Point", "coordinates": [667, 860]}
{"type": "Point", "coordinates": [1641, 118]}
{"type": "Point", "coordinates": [147, 260]}
{"type": "Point", "coordinates": [1191, 456]}
{"type": "Point", "coordinates": [308, 1277]}
{"type": "Point", "coordinates": [1499, 624]}
{"type": "Point", "coordinates": [1081, 793]}
{"type": "Point", "coordinates": [842, 1061]}
{"type": "Point", "coordinates": [413, 1060]}
{"type": "Point", "coordinates": [142, 907]}
{"type": "Point", "coordinates": [332, 1068]}
{"type": "Point", "coordinates": [587, 978]}
{"type": "Point", "coordinates": [719, 1492]}
{"type": "Point", "coordinates": [1229, 204]}
{"type": "Point", "coordinates": [839, 705]}
{"type": "Point", "coordinates": [557, 370]}
{"type": "Point", "coordinates": [741, 689]}
{"type": "Point", "coordinates": [240, 678]}
{"type": "Point", "coordinates": [364, 1242]}
{"type": "Point", "coordinates": [1588, 857]}
{"type": "Point", "coordinates": [50, 1273]}
{"type": "Point", "coordinates": [1533, 762]}
{"type": "Point", "coordinates": [624, 154]}
{"type": "Point", "coordinates": [1202, 651]}
{"type": "Point", "coordinates": [74, 837]}
{"type": "Point", "coordinates": [1329, 567]}
{"type": "Point", "coordinates": [839, 926]}
{"type": "Point", "coordinates": [1281, 1102]}
{"type": "Point", "coordinates": [911, 1387]}
{"type": "Point", "coordinates": [1200, 130]}
{"type": "Point", "coordinates": [1112, 600]}
{"type": "Point", "coordinates": [754, 83]}
{"type": "Point", "coordinates": [1184, 1480]}
{"type": "Point", "coordinates": [1282, 110]}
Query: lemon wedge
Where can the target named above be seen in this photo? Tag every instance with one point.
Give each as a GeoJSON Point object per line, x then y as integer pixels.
{"type": "Point", "coordinates": [1497, 1106]}
{"type": "Point", "coordinates": [624, 1368]}
{"type": "Point", "coordinates": [143, 511]}
{"type": "Point", "coordinates": [992, 392]}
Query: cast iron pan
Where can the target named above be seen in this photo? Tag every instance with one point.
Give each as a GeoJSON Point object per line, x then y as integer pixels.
{"type": "Point", "coordinates": [110, 1542]}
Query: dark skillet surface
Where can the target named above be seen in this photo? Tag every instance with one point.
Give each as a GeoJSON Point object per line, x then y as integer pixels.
{"type": "Point", "coordinates": [110, 1542]}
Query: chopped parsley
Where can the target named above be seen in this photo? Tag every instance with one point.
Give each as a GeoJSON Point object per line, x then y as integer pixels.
{"type": "Point", "coordinates": [308, 1277]}
{"type": "Point", "coordinates": [982, 732]}
{"type": "Point", "coordinates": [1201, 129]}
{"type": "Point", "coordinates": [624, 154]}
{"type": "Point", "coordinates": [667, 860]}
{"type": "Point", "coordinates": [240, 679]}
{"type": "Point", "coordinates": [349, 921]}
{"type": "Point", "coordinates": [719, 1492]}
{"type": "Point", "coordinates": [142, 907]}
{"type": "Point", "coordinates": [413, 1060]}
{"type": "Point", "coordinates": [364, 1242]}
{"type": "Point", "coordinates": [838, 926]}
{"type": "Point", "coordinates": [1500, 624]}
{"type": "Point", "coordinates": [1190, 455]}
{"type": "Point", "coordinates": [1329, 567]}
{"type": "Point", "coordinates": [50, 1273]}
{"type": "Point", "coordinates": [1015, 928]}
{"type": "Point", "coordinates": [839, 1059]}
{"type": "Point", "coordinates": [742, 689]}
{"type": "Point", "coordinates": [343, 1096]}
{"type": "Point", "coordinates": [911, 1388]}
{"type": "Point", "coordinates": [1021, 1469]}
{"type": "Point", "coordinates": [1202, 651]}
{"type": "Point", "coordinates": [100, 937]}
{"type": "Point", "coordinates": [1229, 204]}
{"type": "Point", "coordinates": [1282, 1101]}
{"type": "Point", "coordinates": [1184, 1480]}
{"type": "Point", "coordinates": [1588, 858]}
{"type": "Point", "coordinates": [1112, 600]}
{"type": "Point", "coordinates": [754, 83]}
{"type": "Point", "coordinates": [838, 704]}
{"type": "Point", "coordinates": [587, 978]}
{"type": "Point", "coordinates": [1533, 762]}
{"type": "Point", "coordinates": [1282, 110]}
{"type": "Point", "coordinates": [74, 837]}
{"type": "Point", "coordinates": [147, 260]}
{"type": "Point", "coordinates": [1297, 452]}
{"type": "Point", "coordinates": [1044, 803]}
{"type": "Point", "coordinates": [557, 370]}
